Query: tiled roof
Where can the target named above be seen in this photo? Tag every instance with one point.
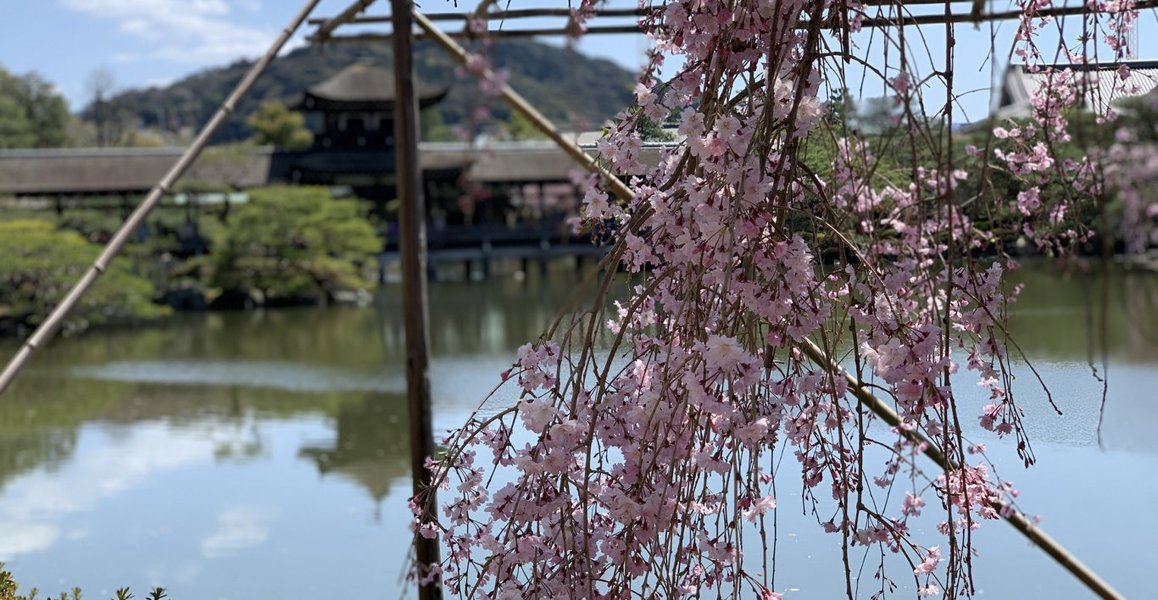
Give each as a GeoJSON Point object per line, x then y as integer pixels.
{"type": "Point", "coordinates": [97, 171]}
{"type": "Point", "coordinates": [364, 86]}
{"type": "Point", "coordinates": [122, 170]}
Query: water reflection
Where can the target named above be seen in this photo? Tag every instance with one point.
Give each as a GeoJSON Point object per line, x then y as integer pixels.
{"type": "Point", "coordinates": [371, 447]}
{"type": "Point", "coordinates": [1062, 316]}
{"type": "Point", "coordinates": [285, 376]}
{"type": "Point", "coordinates": [209, 452]}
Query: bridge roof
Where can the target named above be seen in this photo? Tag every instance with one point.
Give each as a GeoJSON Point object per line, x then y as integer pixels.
{"type": "Point", "coordinates": [95, 171]}
{"type": "Point", "coordinates": [100, 171]}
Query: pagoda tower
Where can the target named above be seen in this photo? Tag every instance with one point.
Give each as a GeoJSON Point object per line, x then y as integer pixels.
{"type": "Point", "coordinates": [352, 116]}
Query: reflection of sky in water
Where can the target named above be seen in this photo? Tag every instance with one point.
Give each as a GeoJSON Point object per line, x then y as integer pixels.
{"type": "Point", "coordinates": [278, 376]}
{"type": "Point", "coordinates": [148, 505]}
{"type": "Point", "coordinates": [233, 501]}
{"type": "Point", "coordinates": [152, 503]}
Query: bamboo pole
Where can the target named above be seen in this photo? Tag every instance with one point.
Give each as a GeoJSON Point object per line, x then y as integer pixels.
{"type": "Point", "coordinates": [495, 33]}
{"type": "Point", "coordinates": [1015, 518]}
{"type": "Point", "coordinates": [507, 15]}
{"type": "Point", "coordinates": [348, 15]}
{"type": "Point", "coordinates": [131, 225]}
{"type": "Point", "coordinates": [412, 244]}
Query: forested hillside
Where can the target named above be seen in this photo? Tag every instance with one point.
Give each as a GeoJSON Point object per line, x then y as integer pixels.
{"type": "Point", "coordinates": [570, 88]}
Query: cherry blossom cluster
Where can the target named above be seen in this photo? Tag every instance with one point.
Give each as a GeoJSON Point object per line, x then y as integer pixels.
{"type": "Point", "coordinates": [637, 461]}
{"type": "Point", "coordinates": [1131, 170]}
{"type": "Point", "coordinates": [1066, 181]}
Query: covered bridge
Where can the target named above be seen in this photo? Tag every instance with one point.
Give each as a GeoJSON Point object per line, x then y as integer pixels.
{"type": "Point", "coordinates": [116, 171]}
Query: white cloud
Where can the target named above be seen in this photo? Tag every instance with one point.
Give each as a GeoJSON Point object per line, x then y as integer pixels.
{"type": "Point", "coordinates": [33, 505]}
{"type": "Point", "coordinates": [103, 472]}
{"type": "Point", "coordinates": [185, 31]}
{"type": "Point", "coordinates": [237, 529]}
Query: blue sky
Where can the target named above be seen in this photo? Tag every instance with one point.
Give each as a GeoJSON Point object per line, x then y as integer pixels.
{"type": "Point", "coordinates": [146, 42]}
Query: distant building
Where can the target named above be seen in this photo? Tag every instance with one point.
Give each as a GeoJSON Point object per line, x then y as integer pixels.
{"type": "Point", "coordinates": [353, 117]}
{"type": "Point", "coordinates": [1103, 85]}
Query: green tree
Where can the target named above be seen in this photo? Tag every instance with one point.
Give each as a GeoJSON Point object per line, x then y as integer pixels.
{"type": "Point", "coordinates": [842, 109]}
{"type": "Point", "coordinates": [877, 116]}
{"type": "Point", "coordinates": [32, 114]}
{"type": "Point", "coordinates": [111, 120]}
{"type": "Point", "coordinates": [15, 129]}
{"type": "Point", "coordinates": [521, 128]}
{"type": "Point", "coordinates": [276, 125]}
{"type": "Point", "coordinates": [434, 127]}
{"type": "Point", "coordinates": [1140, 113]}
{"type": "Point", "coordinates": [42, 263]}
{"type": "Point", "coordinates": [652, 131]}
{"type": "Point", "coordinates": [293, 245]}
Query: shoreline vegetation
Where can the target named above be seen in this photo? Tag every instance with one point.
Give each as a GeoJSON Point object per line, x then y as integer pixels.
{"type": "Point", "coordinates": [10, 590]}
{"type": "Point", "coordinates": [287, 246]}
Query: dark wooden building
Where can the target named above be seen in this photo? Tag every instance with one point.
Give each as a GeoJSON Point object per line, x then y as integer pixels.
{"type": "Point", "coordinates": [352, 117]}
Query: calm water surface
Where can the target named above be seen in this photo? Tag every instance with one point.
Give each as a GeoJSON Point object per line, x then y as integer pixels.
{"type": "Point", "coordinates": [263, 455]}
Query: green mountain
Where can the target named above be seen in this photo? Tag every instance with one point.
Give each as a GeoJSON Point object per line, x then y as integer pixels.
{"type": "Point", "coordinates": [572, 89]}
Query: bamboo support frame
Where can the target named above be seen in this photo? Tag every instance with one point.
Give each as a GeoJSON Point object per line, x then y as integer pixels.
{"type": "Point", "coordinates": [362, 38]}
{"type": "Point", "coordinates": [506, 15]}
{"type": "Point", "coordinates": [862, 393]}
{"type": "Point", "coordinates": [48, 328]}
{"type": "Point", "coordinates": [877, 20]}
{"type": "Point", "coordinates": [1012, 15]}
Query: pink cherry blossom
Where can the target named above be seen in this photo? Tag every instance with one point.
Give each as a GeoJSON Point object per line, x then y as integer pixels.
{"type": "Point", "coordinates": [638, 442]}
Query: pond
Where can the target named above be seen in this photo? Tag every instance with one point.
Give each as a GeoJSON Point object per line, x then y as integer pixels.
{"type": "Point", "coordinates": [263, 455]}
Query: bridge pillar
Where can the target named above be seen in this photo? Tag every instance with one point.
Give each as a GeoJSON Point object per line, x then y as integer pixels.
{"type": "Point", "coordinates": [486, 259]}
{"type": "Point", "coordinates": [544, 247]}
